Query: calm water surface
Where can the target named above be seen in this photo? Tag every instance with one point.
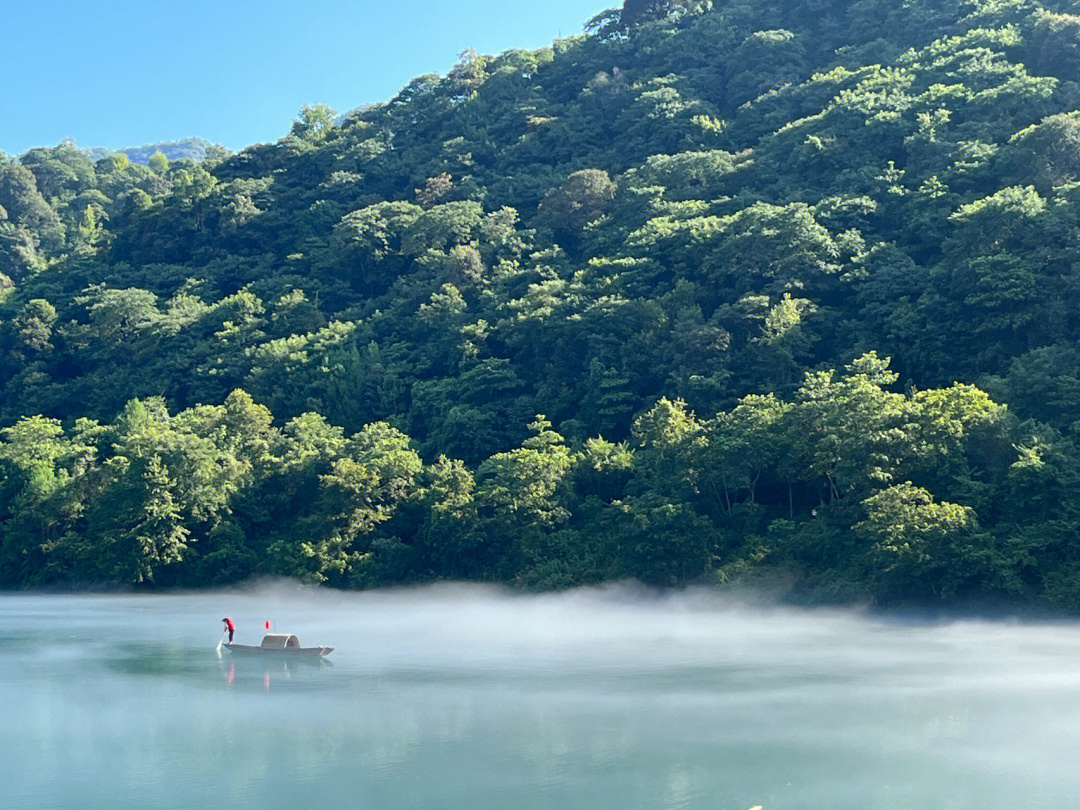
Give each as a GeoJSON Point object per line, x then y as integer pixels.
{"type": "Point", "coordinates": [469, 698]}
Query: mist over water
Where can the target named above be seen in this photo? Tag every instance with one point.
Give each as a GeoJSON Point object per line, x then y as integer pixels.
{"type": "Point", "coordinates": [468, 697]}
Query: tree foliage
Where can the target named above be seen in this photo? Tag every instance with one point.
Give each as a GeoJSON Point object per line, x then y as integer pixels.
{"type": "Point", "coordinates": [794, 286]}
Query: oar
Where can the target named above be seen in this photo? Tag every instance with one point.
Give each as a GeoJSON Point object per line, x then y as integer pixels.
{"type": "Point", "coordinates": [220, 642]}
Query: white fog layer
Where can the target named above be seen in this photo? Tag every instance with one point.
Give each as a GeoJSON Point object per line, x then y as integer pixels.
{"type": "Point", "coordinates": [467, 697]}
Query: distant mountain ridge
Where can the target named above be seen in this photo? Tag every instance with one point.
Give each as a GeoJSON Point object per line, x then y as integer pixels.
{"type": "Point", "coordinates": [190, 148]}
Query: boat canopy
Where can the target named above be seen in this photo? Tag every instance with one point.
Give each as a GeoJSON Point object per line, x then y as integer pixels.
{"type": "Point", "coordinates": [279, 641]}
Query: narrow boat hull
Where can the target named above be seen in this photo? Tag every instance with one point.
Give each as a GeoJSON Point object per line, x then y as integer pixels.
{"type": "Point", "coordinates": [287, 652]}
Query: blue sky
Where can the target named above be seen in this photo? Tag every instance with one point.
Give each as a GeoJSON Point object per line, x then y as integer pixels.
{"type": "Point", "coordinates": [235, 72]}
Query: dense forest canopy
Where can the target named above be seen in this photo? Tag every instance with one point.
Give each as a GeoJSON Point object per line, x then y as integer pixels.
{"type": "Point", "coordinates": [780, 292]}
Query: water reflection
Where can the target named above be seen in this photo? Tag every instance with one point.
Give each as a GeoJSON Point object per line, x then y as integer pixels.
{"type": "Point", "coordinates": [245, 670]}
{"type": "Point", "coordinates": [195, 665]}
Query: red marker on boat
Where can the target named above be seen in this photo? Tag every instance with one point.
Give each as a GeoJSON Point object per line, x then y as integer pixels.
{"type": "Point", "coordinates": [267, 623]}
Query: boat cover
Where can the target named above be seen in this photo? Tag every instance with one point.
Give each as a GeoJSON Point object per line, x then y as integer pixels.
{"type": "Point", "coordinates": [277, 641]}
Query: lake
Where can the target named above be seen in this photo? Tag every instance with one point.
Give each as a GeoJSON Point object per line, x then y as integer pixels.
{"type": "Point", "coordinates": [466, 697]}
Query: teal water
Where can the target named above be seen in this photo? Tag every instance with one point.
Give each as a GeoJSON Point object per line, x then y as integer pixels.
{"type": "Point", "coordinates": [460, 697]}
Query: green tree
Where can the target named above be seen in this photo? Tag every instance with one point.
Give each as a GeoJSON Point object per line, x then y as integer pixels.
{"type": "Point", "coordinates": [314, 122]}
{"type": "Point", "coordinates": [585, 196]}
{"type": "Point", "coordinates": [916, 545]}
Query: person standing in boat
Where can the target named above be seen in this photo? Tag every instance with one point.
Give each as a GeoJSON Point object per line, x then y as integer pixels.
{"type": "Point", "coordinates": [229, 627]}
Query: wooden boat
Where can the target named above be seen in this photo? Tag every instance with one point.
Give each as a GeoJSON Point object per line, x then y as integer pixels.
{"type": "Point", "coordinates": [278, 644]}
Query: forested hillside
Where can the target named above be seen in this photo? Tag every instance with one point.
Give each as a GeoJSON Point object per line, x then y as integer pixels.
{"type": "Point", "coordinates": [794, 284]}
{"type": "Point", "coordinates": [195, 149]}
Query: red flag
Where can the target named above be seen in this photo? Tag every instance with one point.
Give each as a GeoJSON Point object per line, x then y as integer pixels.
{"type": "Point", "coordinates": [267, 624]}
